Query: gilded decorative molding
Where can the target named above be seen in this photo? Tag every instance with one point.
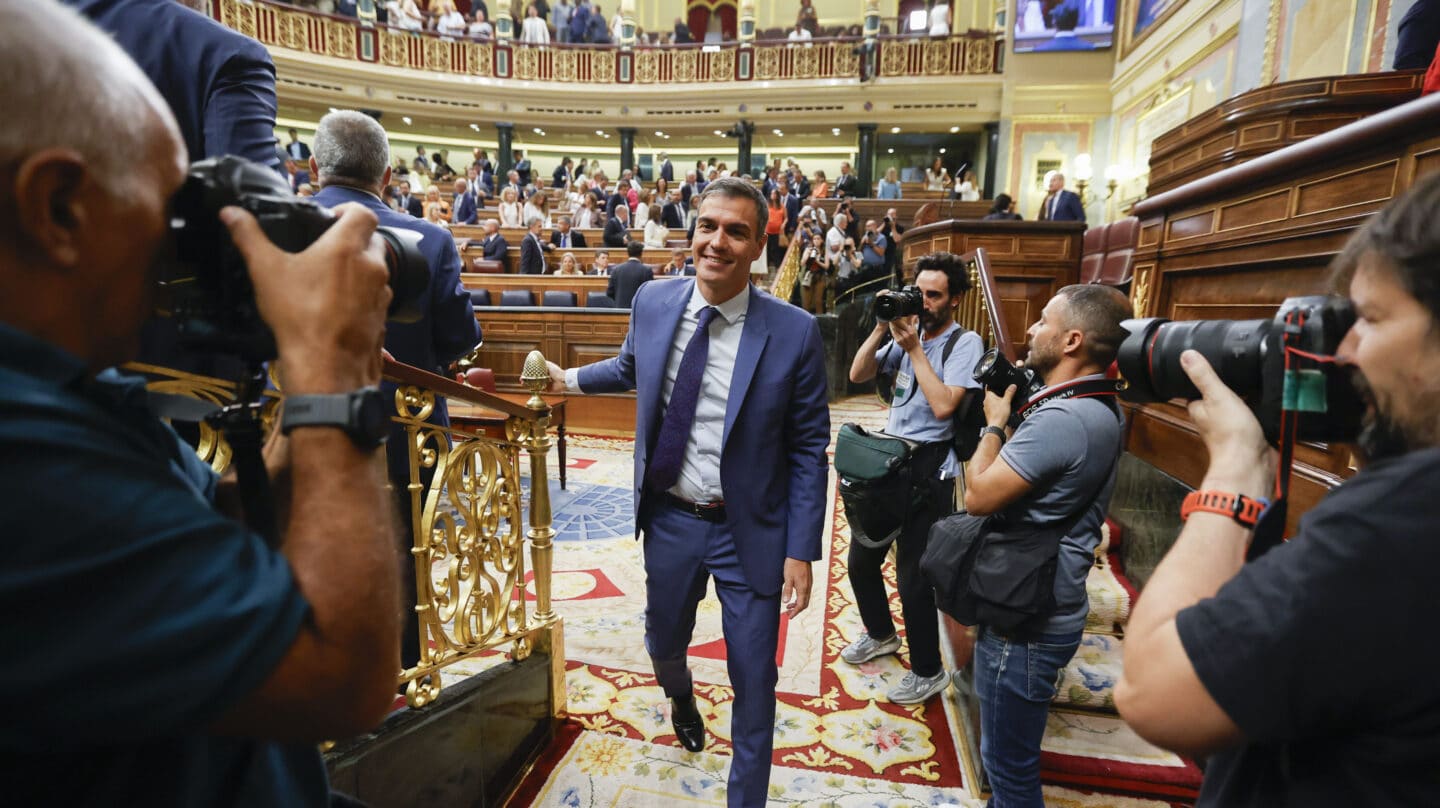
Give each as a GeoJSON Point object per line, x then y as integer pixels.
{"type": "Point", "coordinates": [937, 57]}
{"type": "Point", "coordinates": [1272, 43]}
{"type": "Point", "coordinates": [291, 28]}
{"type": "Point", "coordinates": [1140, 291]}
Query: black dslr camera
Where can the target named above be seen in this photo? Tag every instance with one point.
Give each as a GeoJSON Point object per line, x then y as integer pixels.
{"type": "Point", "coordinates": [208, 289]}
{"type": "Point", "coordinates": [996, 374]}
{"type": "Point", "coordinates": [1280, 364]}
{"type": "Point", "coordinates": [907, 302]}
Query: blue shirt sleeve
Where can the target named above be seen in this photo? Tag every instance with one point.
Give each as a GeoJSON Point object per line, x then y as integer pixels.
{"type": "Point", "coordinates": [125, 591]}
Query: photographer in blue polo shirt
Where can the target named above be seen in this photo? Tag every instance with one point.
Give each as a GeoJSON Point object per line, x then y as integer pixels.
{"type": "Point", "coordinates": [158, 652]}
{"type": "Point", "coordinates": [929, 386]}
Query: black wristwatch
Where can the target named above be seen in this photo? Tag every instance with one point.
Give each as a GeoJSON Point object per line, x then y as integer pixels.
{"type": "Point", "coordinates": [359, 413]}
{"type": "Point", "coordinates": [997, 431]}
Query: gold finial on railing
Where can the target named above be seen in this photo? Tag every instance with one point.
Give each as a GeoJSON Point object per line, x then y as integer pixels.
{"type": "Point", "coordinates": [536, 377]}
{"type": "Point", "coordinates": [536, 438]}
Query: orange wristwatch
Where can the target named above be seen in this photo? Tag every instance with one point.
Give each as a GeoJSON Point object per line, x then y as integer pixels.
{"type": "Point", "coordinates": [1246, 511]}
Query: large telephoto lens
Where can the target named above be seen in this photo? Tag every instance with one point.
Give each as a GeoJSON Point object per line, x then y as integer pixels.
{"type": "Point", "coordinates": [1149, 358]}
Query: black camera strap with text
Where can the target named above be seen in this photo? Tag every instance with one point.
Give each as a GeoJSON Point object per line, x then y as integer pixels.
{"type": "Point", "coordinates": [1083, 388]}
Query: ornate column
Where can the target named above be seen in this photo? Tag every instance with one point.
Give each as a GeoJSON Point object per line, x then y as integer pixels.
{"type": "Point", "coordinates": [992, 158]}
{"type": "Point", "coordinates": [747, 24]}
{"type": "Point", "coordinates": [742, 155]}
{"type": "Point", "coordinates": [865, 162]}
{"type": "Point", "coordinates": [627, 147]}
{"type": "Point", "coordinates": [504, 161]}
{"type": "Point", "coordinates": [504, 20]}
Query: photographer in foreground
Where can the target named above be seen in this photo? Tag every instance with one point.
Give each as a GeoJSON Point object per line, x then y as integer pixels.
{"type": "Point", "coordinates": [921, 412]}
{"type": "Point", "coordinates": [1055, 471]}
{"type": "Point", "coordinates": [1305, 675]}
{"type": "Point", "coordinates": [160, 653]}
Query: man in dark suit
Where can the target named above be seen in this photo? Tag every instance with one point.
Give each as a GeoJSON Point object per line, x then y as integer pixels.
{"type": "Point", "coordinates": [494, 245]}
{"type": "Point", "coordinates": [296, 149]}
{"type": "Point", "coordinates": [464, 208]}
{"type": "Point", "coordinates": [220, 84]}
{"type": "Point", "coordinates": [627, 277]}
{"type": "Point", "coordinates": [678, 265]}
{"type": "Point", "coordinates": [352, 163]}
{"type": "Point", "coordinates": [675, 213]}
{"type": "Point", "coordinates": [563, 238]}
{"type": "Point", "coordinates": [601, 265]}
{"type": "Point", "coordinates": [1061, 205]}
{"type": "Point", "coordinates": [691, 189]}
{"type": "Point", "coordinates": [791, 203]}
{"type": "Point", "coordinates": [522, 167]}
{"type": "Point", "coordinates": [846, 184]}
{"type": "Point", "coordinates": [617, 227]}
{"type": "Point", "coordinates": [409, 202]}
{"type": "Point", "coordinates": [512, 180]}
{"type": "Point", "coordinates": [667, 171]}
{"type": "Point", "coordinates": [564, 174]}
{"type": "Point", "coordinates": [716, 442]}
{"type": "Point", "coordinates": [532, 249]}
{"type": "Point", "coordinates": [618, 197]}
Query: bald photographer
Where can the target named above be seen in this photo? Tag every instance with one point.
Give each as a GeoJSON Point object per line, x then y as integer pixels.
{"type": "Point", "coordinates": [159, 652]}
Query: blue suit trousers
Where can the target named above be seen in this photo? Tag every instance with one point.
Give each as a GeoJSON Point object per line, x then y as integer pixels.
{"type": "Point", "coordinates": [681, 553]}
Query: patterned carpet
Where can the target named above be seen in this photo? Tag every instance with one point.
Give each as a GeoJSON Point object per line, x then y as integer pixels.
{"type": "Point", "coordinates": [836, 741]}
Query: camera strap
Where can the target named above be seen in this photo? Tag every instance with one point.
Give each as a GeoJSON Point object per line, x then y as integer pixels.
{"type": "Point", "coordinates": [1082, 388]}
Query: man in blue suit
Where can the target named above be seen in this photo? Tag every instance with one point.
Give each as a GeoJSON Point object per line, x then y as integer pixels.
{"type": "Point", "coordinates": [219, 83]}
{"type": "Point", "coordinates": [731, 426]}
{"type": "Point", "coordinates": [1061, 205]}
{"type": "Point", "coordinates": [466, 206]}
{"type": "Point", "coordinates": [351, 161]}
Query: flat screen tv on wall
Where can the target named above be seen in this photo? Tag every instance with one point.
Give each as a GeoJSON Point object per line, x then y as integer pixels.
{"type": "Point", "coordinates": [1064, 25]}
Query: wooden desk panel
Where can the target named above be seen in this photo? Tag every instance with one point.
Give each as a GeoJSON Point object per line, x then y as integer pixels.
{"type": "Point", "coordinates": [538, 285]}
{"type": "Point", "coordinates": [1030, 261]}
{"type": "Point", "coordinates": [568, 337]}
{"type": "Point", "coordinates": [1235, 244]}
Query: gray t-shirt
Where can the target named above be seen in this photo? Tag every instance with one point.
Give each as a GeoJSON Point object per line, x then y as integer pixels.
{"type": "Point", "coordinates": [910, 415]}
{"type": "Point", "coordinates": [1066, 450]}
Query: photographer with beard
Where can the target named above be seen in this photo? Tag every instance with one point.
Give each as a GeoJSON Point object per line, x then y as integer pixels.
{"type": "Point", "coordinates": [1054, 473]}
{"type": "Point", "coordinates": [921, 412]}
{"type": "Point", "coordinates": [1305, 676]}
{"type": "Point", "coordinates": [159, 652]}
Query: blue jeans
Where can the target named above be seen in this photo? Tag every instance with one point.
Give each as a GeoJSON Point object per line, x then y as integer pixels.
{"type": "Point", "coordinates": [1014, 682]}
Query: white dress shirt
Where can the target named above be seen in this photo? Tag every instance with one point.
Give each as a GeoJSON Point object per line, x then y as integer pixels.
{"type": "Point", "coordinates": [700, 469]}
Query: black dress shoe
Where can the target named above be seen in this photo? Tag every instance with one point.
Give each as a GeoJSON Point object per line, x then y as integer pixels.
{"type": "Point", "coordinates": [688, 723]}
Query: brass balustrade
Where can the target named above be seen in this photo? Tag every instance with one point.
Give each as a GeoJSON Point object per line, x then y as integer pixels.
{"type": "Point", "coordinates": [467, 522]}
{"type": "Point", "coordinates": [283, 26]}
{"type": "Point", "coordinates": [980, 308]}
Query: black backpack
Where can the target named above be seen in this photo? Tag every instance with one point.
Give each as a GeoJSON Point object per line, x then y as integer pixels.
{"type": "Point", "coordinates": [966, 421]}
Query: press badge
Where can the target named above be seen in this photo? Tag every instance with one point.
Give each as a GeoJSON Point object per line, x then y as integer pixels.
{"type": "Point", "coordinates": [902, 383]}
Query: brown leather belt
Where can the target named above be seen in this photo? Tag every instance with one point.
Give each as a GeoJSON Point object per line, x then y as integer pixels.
{"type": "Point", "coordinates": [709, 511]}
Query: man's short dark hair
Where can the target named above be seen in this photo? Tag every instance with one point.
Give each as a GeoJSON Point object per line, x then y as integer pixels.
{"type": "Point", "coordinates": [1403, 235]}
{"type": "Point", "coordinates": [1097, 311]}
{"type": "Point", "coordinates": [954, 268]}
{"type": "Point", "coordinates": [635, 249]}
{"type": "Point", "coordinates": [736, 188]}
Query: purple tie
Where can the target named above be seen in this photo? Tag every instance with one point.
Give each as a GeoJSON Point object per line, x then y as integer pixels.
{"type": "Point", "coordinates": [664, 468]}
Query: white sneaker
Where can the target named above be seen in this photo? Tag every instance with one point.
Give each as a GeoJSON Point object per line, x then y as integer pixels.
{"type": "Point", "coordinates": [867, 648]}
{"type": "Point", "coordinates": [917, 689]}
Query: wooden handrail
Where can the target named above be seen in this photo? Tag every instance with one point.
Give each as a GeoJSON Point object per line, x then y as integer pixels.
{"type": "Point", "coordinates": [409, 374]}
{"type": "Point", "coordinates": [981, 313]}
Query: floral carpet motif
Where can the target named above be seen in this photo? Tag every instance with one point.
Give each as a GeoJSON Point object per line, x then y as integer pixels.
{"type": "Point", "coordinates": [837, 741]}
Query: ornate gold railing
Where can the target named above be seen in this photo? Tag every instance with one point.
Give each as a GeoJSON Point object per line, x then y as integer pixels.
{"type": "Point", "coordinates": [467, 516]}
{"type": "Point", "coordinates": [789, 270]}
{"type": "Point", "coordinates": [283, 26]}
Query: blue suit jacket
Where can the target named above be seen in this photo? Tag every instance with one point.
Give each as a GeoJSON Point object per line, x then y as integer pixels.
{"type": "Point", "coordinates": [220, 84]}
{"type": "Point", "coordinates": [447, 328]}
{"type": "Point", "coordinates": [465, 210]}
{"type": "Point", "coordinates": [1069, 209]}
{"type": "Point", "coordinates": [773, 468]}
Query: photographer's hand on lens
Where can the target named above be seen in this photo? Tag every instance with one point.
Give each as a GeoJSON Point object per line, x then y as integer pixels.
{"type": "Point", "coordinates": [998, 408]}
{"type": "Point", "coordinates": [1241, 461]}
{"type": "Point", "coordinates": [905, 332]}
{"type": "Point", "coordinates": [326, 305]}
